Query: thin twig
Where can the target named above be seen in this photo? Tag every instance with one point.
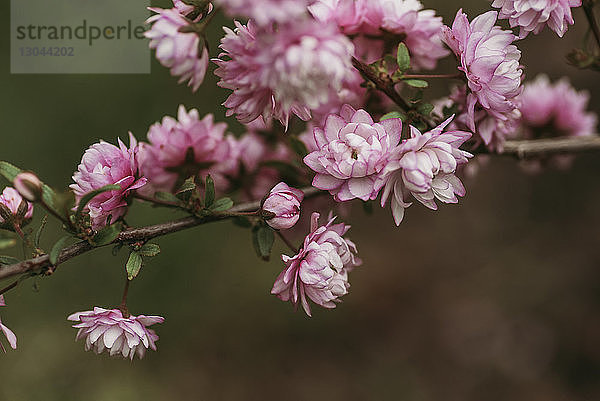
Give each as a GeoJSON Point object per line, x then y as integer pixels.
{"type": "Point", "coordinates": [287, 242]}
{"type": "Point", "coordinates": [588, 8]}
{"type": "Point", "coordinates": [383, 83]}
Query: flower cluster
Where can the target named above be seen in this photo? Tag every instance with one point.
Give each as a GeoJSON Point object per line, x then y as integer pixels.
{"type": "Point", "coordinates": [184, 147]}
{"type": "Point", "coordinates": [277, 72]}
{"type": "Point", "coordinates": [180, 50]}
{"type": "Point", "coordinates": [106, 164]}
{"type": "Point", "coordinates": [16, 210]}
{"type": "Point", "coordinates": [108, 330]}
{"type": "Point", "coordinates": [265, 12]}
{"type": "Point", "coordinates": [371, 20]}
{"type": "Point", "coordinates": [533, 16]}
{"type": "Point", "coordinates": [490, 62]}
{"type": "Point", "coordinates": [319, 271]}
{"type": "Point", "coordinates": [10, 336]}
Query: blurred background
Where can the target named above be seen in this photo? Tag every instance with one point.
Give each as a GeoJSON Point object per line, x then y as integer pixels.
{"type": "Point", "coordinates": [496, 298]}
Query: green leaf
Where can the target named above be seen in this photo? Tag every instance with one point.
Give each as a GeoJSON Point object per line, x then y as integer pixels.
{"type": "Point", "coordinates": [187, 186]}
{"type": "Point", "coordinates": [149, 250]}
{"type": "Point", "coordinates": [38, 233]}
{"type": "Point", "coordinates": [8, 260]}
{"type": "Point", "coordinates": [209, 191]}
{"type": "Point", "coordinates": [425, 108]}
{"type": "Point", "coordinates": [403, 57]}
{"type": "Point", "coordinates": [107, 235]}
{"type": "Point", "coordinates": [9, 171]}
{"type": "Point", "coordinates": [166, 196]}
{"type": "Point", "coordinates": [393, 114]}
{"type": "Point", "coordinates": [134, 265]}
{"type": "Point", "coordinates": [7, 243]}
{"type": "Point", "coordinates": [91, 195]}
{"type": "Point", "coordinates": [298, 146]}
{"type": "Point", "coordinates": [263, 239]}
{"type": "Point", "coordinates": [416, 83]}
{"type": "Point", "coordinates": [55, 252]}
{"type": "Point", "coordinates": [222, 205]}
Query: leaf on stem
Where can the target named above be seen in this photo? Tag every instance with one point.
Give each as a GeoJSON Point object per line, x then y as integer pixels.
{"type": "Point", "coordinates": [263, 239]}
{"type": "Point", "coordinates": [134, 265]}
{"type": "Point", "coordinates": [209, 191]}
{"type": "Point", "coordinates": [403, 58]}
{"type": "Point", "coordinates": [107, 235]}
{"type": "Point", "coordinates": [56, 249]}
{"type": "Point", "coordinates": [91, 195]}
{"type": "Point", "coordinates": [149, 250]}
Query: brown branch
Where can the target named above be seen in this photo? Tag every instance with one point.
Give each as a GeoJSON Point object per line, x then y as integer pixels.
{"type": "Point", "coordinates": [383, 83]}
{"type": "Point", "coordinates": [545, 147]}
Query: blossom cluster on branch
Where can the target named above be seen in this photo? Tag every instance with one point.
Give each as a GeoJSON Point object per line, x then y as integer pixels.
{"type": "Point", "coordinates": [331, 94]}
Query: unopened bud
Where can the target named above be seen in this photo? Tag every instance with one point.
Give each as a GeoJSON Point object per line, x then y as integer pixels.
{"type": "Point", "coordinates": [281, 207]}
{"type": "Point", "coordinates": [29, 186]}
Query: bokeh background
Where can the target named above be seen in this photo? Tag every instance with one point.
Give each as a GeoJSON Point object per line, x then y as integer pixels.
{"type": "Point", "coordinates": [496, 298]}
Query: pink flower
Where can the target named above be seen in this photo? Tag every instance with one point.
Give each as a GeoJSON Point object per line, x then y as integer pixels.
{"type": "Point", "coordinates": [265, 12]}
{"type": "Point", "coordinates": [10, 336]}
{"type": "Point", "coordinates": [105, 164]}
{"type": "Point", "coordinates": [353, 152]}
{"type": "Point", "coordinates": [10, 200]}
{"type": "Point", "coordinates": [180, 51]}
{"type": "Point", "coordinates": [278, 72]}
{"type": "Point", "coordinates": [424, 167]}
{"type": "Point", "coordinates": [419, 29]}
{"type": "Point", "coordinates": [555, 110]}
{"type": "Point", "coordinates": [320, 269]}
{"type": "Point", "coordinates": [107, 329]}
{"type": "Point", "coordinates": [186, 147]}
{"type": "Point", "coordinates": [533, 15]}
{"type": "Point", "coordinates": [490, 62]}
{"type": "Point", "coordinates": [28, 185]}
{"type": "Point", "coordinates": [284, 202]}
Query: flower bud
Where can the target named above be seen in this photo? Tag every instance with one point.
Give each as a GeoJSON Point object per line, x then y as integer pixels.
{"type": "Point", "coordinates": [14, 210]}
{"type": "Point", "coordinates": [29, 186]}
{"type": "Point", "coordinates": [281, 208]}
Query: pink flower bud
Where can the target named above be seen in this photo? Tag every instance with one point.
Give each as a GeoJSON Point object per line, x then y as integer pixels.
{"type": "Point", "coordinates": [29, 186]}
{"type": "Point", "coordinates": [281, 208]}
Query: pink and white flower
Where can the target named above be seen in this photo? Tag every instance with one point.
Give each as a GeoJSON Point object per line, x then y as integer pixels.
{"type": "Point", "coordinates": [10, 336]}
{"type": "Point", "coordinates": [275, 73]}
{"type": "Point", "coordinates": [319, 271]}
{"type": "Point", "coordinates": [265, 12]}
{"type": "Point", "coordinates": [106, 164]}
{"type": "Point", "coordinates": [108, 330]}
{"type": "Point", "coordinates": [10, 201]}
{"type": "Point", "coordinates": [490, 62]}
{"type": "Point", "coordinates": [185, 147]}
{"type": "Point", "coordinates": [424, 167]}
{"type": "Point", "coordinates": [419, 29]}
{"type": "Point", "coordinates": [534, 15]}
{"type": "Point", "coordinates": [353, 152]}
{"type": "Point", "coordinates": [177, 50]}
{"type": "Point", "coordinates": [283, 202]}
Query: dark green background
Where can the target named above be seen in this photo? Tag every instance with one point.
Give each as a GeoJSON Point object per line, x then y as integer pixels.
{"type": "Point", "coordinates": [494, 299]}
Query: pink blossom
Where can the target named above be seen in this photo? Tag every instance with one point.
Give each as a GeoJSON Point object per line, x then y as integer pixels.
{"type": "Point", "coordinates": [490, 62]}
{"type": "Point", "coordinates": [419, 29]}
{"type": "Point", "coordinates": [10, 336]}
{"type": "Point", "coordinates": [320, 269]}
{"type": "Point", "coordinates": [180, 51]}
{"type": "Point", "coordinates": [28, 185]}
{"type": "Point", "coordinates": [184, 147]}
{"type": "Point", "coordinates": [534, 15]}
{"type": "Point", "coordinates": [108, 329]}
{"type": "Point", "coordinates": [353, 152]}
{"type": "Point", "coordinates": [424, 167]}
{"type": "Point", "coordinates": [10, 200]}
{"type": "Point", "coordinates": [265, 12]}
{"type": "Point", "coordinates": [555, 110]}
{"type": "Point", "coordinates": [284, 202]}
{"type": "Point", "coordinates": [278, 72]}
{"type": "Point", "coordinates": [105, 164]}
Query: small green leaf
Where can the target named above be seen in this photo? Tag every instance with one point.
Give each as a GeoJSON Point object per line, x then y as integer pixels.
{"type": "Point", "coordinates": [134, 265]}
{"type": "Point", "coordinates": [187, 186]}
{"type": "Point", "coordinates": [263, 239]}
{"type": "Point", "coordinates": [416, 83]}
{"type": "Point", "coordinates": [38, 233]}
{"type": "Point", "coordinates": [8, 260]}
{"type": "Point", "coordinates": [149, 250]}
{"type": "Point", "coordinates": [209, 191]}
{"type": "Point", "coordinates": [166, 196]}
{"type": "Point", "coordinates": [9, 171]}
{"type": "Point", "coordinates": [393, 114]}
{"type": "Point", "coordinates": [107, 235]}
{"type": "Point", "coordinates": [91, 195]}
{"type": "Point", "coordinates": [425, 108]}
{"type": "Point", "coordinates": [403, 57]}
{"type": "Point", "coordinates": [7, 243]}
{"type": "Point", "coordinates": [56, 249]}
{"type": "Point", "coordinates": [222, 205]}
{"type": "Point", "coordinates": [298, 146]}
